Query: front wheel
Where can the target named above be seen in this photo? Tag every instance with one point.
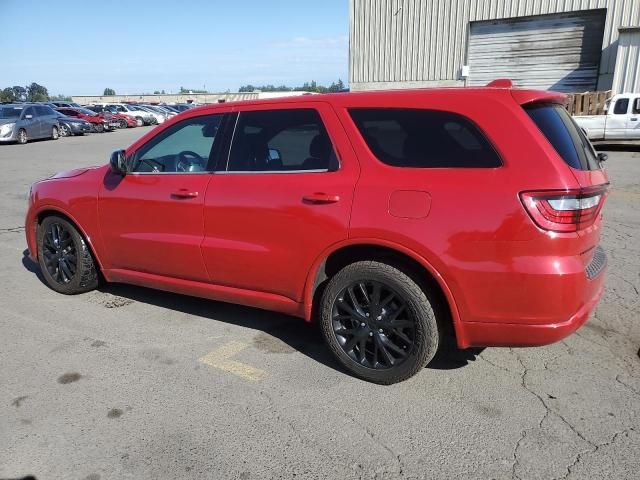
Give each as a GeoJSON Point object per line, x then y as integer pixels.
{"type": "Point", "coordinates": [55, 134]}
{"type": "Point", "coordinates": [64, 257]}
{"type": "Point", "coordinates": [98, 127]}
{"type": "Point", "coordinates": [65, 131]}
{"type": "Point", "coordinates": [378, 322]}
{"type": "Point", "coordinates": [139, 121]}
{"type": "Point", "coordinates": [22, 136]}
{"type": "Point", "coordinates": [122, 123]}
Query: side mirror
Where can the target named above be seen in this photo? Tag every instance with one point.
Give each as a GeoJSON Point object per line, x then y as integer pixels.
{"type": "Point", "coordinates": [28, 117]}
{"type": "Point", "coordinates": [602, 157]}
{"type": "Point", "coordinates": [118, 162]}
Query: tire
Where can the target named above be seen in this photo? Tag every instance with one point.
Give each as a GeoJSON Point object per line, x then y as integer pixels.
{"type": "Point", "coordinates": [22, 137]}
{"type": "Point", "coordinates": [98, 127]}
{"type": "Point", "coordinates": [399, 337]}
{"type": "Point", "coordinates": [122, 123]}
{"type": "Point", "coordinates": [139, 121]}
{"type": "Point", "coordinates": [65, 131]}
{"type": "Point", "coordinates": [55, 257]}
{"type": "Point", "coordinates": [55, 133]}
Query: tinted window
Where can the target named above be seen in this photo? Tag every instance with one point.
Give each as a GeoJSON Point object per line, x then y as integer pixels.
{"type": "Point", "coordinates": [182, 148]}
{"type": "Point", "coordinates": [281, 140]}
{"type": "Point", "coordinates": [10, 112]}
{"type": "Point", "coordinates": [424, 138]}
{"type": "Point", "coordinates": [636, 105]}
{"type": "Point", "coordinates": [622, 104]}
{"type": "Point", "coordinates": [28, 111]}
{"type": "Point", "coordinates": [565, 136]}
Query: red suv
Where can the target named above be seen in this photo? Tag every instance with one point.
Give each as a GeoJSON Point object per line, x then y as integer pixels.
{"type": "Point", "coordinates": [393, 218]}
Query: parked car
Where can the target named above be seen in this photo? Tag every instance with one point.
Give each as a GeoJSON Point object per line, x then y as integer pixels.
{"type": "Point", "coordinates": [72, 126]}
{"type": "Point", "coordinates": [109, 111]}
{"type": "Point", "coordinates": [168, 113]}
{"type": "Point", "coordinates": [620, 123]}
{"type": "Point", "coordinates": [23, 122]}
{"type": "Point", "coordinates": [393, 218]}
{"type": "Point", "coordinates": [65, 104]}
{"type": "Point", "coordinates": [142, 117]}
{"type": "Point", "coordinates": [159, 117]}
{"type": "Point", "coordinates": [99, 123]}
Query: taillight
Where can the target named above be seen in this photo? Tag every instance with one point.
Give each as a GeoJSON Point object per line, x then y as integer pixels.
{"type": "Point", "coordinates": [564, 210]}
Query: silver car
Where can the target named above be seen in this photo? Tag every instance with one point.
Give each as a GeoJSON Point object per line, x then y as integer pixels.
{"type": "Point", "coordinates": [22, 122]}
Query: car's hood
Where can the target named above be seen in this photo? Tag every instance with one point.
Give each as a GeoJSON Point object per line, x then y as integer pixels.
{"type": "Point", "coordinates": [4, 121]}
{"type": "Point", "coordinates": [71, 173]}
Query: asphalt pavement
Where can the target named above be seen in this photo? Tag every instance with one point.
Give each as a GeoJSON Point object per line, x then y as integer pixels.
{"type": "Point", "coordinates": [131, 383]}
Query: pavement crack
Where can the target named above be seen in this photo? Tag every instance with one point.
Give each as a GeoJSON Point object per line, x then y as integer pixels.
{"type": "Point", "coordinates": [11, 230]}
{"type": "Point", "coordinates": [627, 386]}
{"type": "Point", "coordinates": [595, 449]}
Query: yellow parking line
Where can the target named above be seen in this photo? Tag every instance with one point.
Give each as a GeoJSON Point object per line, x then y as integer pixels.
{"type": "Point", "coordinates": [220, 358]}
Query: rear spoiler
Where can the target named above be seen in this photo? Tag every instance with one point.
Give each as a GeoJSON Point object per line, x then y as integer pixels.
{"type": "Point", "coordinates": [525, 97]}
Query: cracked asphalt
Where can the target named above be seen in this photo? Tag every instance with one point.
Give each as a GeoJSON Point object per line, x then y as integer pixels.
{"type": "Point", "coordinates": [110, 385]}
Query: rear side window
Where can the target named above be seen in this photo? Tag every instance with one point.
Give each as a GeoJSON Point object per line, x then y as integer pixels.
{"type": "Point", "coordinates": [564, 135]}
{"type": "Point", "coordinates": [419, 138]}
{"type": "Point", "coordinates": [621, 107]}
{"type": "Point", "coordinates": [636, 105]}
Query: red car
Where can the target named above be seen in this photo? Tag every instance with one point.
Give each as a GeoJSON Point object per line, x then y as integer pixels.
{"type": "Point", "coordinates": [99, 123]}
{"type": "Point", "coordinates": [395, 219]}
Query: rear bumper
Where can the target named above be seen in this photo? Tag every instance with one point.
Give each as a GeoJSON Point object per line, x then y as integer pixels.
{"type": "Point", "coordinates": [478, 334]}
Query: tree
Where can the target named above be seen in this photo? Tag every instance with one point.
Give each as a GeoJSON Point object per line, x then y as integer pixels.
{"type": "Point", "coordinates": [156, 92]}
{"type": "Point", "coordinates": [60, 98]}
{"type": "Point", "coordinates": [7, 95]}
{"type": "Point", "coordinates": [109, 92]}
{"type": "Point", "coordinates": [19, 93]}
{"type": "Point", "coordinates": [37, 93]}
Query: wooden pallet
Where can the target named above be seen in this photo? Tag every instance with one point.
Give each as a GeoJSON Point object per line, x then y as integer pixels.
{"type": "Point", "coordinates": [587, 103]}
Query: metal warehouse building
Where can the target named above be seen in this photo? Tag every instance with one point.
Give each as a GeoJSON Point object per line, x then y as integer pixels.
{"type": "Point", "coordinates": [563, 45]}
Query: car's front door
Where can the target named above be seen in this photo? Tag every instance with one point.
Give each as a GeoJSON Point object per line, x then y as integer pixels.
{"type": "Point", "coordinates": [283, 197]}
{"type": "Point", "coordinates": [633, 125]}
{"type": "Point", "coordinates": [151, 219]}
{"type": "Point", "coordinates": [617, 122]}
{"type": "Point", "coordinates": [30, 123]}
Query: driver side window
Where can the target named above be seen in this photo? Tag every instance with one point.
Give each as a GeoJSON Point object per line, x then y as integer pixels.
{"type": "Point", "coordinates": [183, 148]}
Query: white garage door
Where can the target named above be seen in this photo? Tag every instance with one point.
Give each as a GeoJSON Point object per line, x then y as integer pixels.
{"type": "Point", "coordinates": [552, 52]}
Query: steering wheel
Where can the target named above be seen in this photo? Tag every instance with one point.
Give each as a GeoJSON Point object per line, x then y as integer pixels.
{"type": "Point", "coordinates": [189, 161]}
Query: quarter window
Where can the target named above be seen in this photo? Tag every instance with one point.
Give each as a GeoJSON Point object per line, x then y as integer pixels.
{"type": "Point", "coordinates": [419, 138]}
{"type": "Point", "coordinates": [636, 105]}
{"type": "Point", "coordinates": [622, 104]}
{"type": "Point", "coordinates": [281, 141]}
{"type": "Point", "coordinates": [183, 148]}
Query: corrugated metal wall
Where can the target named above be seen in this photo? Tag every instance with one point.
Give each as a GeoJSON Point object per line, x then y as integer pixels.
{"type": "Point", "coordinates": [404, 43]}
{"type": "Point", "coordinates": [627, 75]}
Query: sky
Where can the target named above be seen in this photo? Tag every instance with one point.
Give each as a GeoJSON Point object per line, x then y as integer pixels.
{"type": "Point", "coordinates": [137, 46]}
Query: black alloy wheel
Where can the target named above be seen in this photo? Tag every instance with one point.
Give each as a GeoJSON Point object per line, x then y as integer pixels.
{"type": "Point", "coordinates": [65, 259]}
{"type": "Point", "coordinates": [372, 324]}
{"type": "Point", "coordinates": [377, 319]}
{"type": "Point", "coordinates": [59, 252]}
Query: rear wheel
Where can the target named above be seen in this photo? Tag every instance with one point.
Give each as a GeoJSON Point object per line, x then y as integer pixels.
{"type": "Point", "coordinates": [378, 322]}
{"type": "Point", "coordinates": [22, 136]}
{"type": "Point", "coordinates": [55, 133]}
{"type": "Point", "coordinates": [64, 257]}
{"type": "Point", "coordinates": [139, 121]}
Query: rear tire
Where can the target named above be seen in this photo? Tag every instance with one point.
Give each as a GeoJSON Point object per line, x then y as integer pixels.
{"type": "Point", "coordinates": [65, 259]}
{"type": "Point", "coordinates": [139, 121]}
{"type": "Point", "coordinates": [378, 323]}
{"type": "Point", "coordinates": [22, 137]}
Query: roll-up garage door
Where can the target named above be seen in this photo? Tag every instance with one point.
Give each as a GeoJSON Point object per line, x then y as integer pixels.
{"type": "Point", "coordinates": [551, 52]}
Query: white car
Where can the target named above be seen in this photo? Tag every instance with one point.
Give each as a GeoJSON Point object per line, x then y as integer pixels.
{"type": "Point", "coordinates": [621, 121]}
{"type": "Point", "coordinates": [142, 116]}
{"type": "Point", "coordinates": [157, 114]}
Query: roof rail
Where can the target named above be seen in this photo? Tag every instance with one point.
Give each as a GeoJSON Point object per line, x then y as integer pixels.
{"type": "Point", "coordinates": [501, 83]}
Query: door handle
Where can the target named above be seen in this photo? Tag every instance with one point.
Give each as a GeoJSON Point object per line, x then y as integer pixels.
{"type": "Point", "coordinates": [634, 119]}
{"type": "Point", "coordinates": [320, 198]}
{"type": "Point", "coordinates": [184, 193]}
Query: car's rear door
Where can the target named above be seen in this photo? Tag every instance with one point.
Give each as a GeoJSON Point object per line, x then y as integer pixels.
{"type": "Point", "coordinates": [633, 125]}
{"type": "Point", "coordinates": [282, 197]}
{"type": "Point", "coordinates": [152, 218]}
{"type": "Point", "coordinates": [31, 123]}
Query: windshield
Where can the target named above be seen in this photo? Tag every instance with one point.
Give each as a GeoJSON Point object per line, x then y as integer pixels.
{"type": "Point", "coordinates": [86, 111]}
{"type": "Point", "coordinates": [10, 112]}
